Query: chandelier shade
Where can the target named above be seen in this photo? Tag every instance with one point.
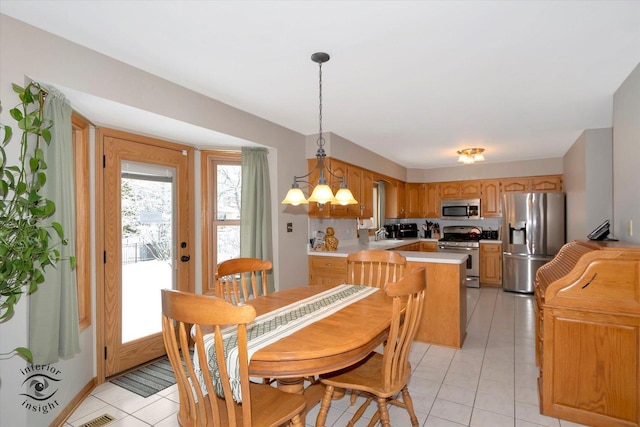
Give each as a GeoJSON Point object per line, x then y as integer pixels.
{"type": "Point", "coordinates": [470, 155]}
{"type": "Point", "coordinates": [322, 192]}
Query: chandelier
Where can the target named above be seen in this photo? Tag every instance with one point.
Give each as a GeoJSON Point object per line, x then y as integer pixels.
{"type": "Point", "coordinates": [322, 192]}
{"type": "Point", "coordinates": [470, 155]}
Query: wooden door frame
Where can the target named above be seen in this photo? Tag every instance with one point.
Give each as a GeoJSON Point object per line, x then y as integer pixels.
{"type": "Point", "coordinates": [100, 224]}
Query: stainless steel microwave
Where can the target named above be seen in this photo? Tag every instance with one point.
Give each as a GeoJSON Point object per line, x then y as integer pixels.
{"type": "Point", "coordinates": [460, 209]}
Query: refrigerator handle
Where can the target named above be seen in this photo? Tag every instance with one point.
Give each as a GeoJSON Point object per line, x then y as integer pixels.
{"type": "Point", "coordinates": [529, 257]}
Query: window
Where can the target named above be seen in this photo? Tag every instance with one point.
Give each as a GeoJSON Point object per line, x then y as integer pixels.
{"type": "Point", "coordinates": [80, 134]}
{"type": "Point", "coordinates": [221, 193]}
{"type": "Point", "coordinates": [227, 185]}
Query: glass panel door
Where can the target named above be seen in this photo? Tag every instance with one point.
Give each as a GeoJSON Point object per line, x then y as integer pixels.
{"type": "Point", "coordinates": [147, 221]}
{"type": "Point", "coordinates": [147, 193]}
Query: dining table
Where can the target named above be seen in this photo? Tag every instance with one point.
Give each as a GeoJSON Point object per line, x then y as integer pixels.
{"type": "Point", "coordinates": [331, 343]}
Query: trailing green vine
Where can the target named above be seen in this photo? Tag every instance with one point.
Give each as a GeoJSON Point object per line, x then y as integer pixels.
{"type": "Point", "coordinates": [28, 240]}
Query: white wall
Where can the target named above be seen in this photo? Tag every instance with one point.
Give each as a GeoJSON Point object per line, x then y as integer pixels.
{"type": "Point", "coordinates": [27, 51]}
{"type": "Point", "coordinates": [484, 170]}
{"type": "Point", "coordinates": [626, 156]}
{"type": "Point", "coordinates": [347, 151]}
{"type": "Point", "coordinates": [588, 182]}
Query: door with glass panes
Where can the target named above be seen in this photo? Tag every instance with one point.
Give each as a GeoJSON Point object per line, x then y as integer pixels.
{"type": "Point", "coordinates": [146, 190]}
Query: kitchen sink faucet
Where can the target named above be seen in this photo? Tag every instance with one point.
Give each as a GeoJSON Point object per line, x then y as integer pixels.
{"type": "Point", "coordinates": [380, 234]}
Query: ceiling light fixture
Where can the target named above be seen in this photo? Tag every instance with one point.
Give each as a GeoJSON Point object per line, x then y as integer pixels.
{"type": "Point", "coordinates": [322, 192]}
{"type": "Point", "coordinates": [470, 155]}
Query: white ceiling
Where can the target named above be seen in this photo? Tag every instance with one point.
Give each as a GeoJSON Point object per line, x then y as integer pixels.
{"type": "Point", "coordinates": [410, 80]}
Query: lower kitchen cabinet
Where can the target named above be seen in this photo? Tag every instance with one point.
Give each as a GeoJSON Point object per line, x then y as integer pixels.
{"type": "Point", "coordinates": [445, 306]}
{"type": "Point", "coordinates": [327, 270]}
{"type": "Point", "coordinates": [410, 247]}
{"type": "Point", "coordinates": [428, 246]}
{"type": "Point", "coordinates": [491, 264]}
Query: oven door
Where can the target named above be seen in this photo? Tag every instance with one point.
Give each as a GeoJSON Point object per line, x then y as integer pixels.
{"type": "Point", "coordinates": [473, 263]}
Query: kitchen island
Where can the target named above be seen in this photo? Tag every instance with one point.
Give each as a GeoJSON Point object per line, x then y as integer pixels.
{"type": "Point", "coordinates": [445, 316]}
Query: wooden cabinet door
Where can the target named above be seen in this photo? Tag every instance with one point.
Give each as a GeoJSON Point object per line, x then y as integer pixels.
{"type": "Point", "coordinates": [411, 247]}
{"type": "Point", "coordinates": [470, 189]}
{"type": "Point", "coordinates": [325, 270]}
{"type": "Point", "coordinates": [547, 183]}
{"type": "Point", "coordinates": [414, 199]}
{"type": "Point", "coordinates": [432, 200]}
{"type": "Point", "coordinates": [532, 183]}
{"type": "Point", "coordinates": [402, 210]}
{"type": "Point", "coordinates": [365, 204]}
{"type": "Point", "coordinates": [394, 199]}
{"type": "Point", "coordinates": [450, 190]}
{"type": "Point", "coordinates": [518, 185]}
{"type": "Point", "coordinates": [491, 263]}
{"type": "Point", "coordinates": [429, 246]}
{"type": "Point", "coordinates": [391, 207]}
{"type": "Point", "coordinates": [491, 205]}
{"type": "Point", "coordinates": [340, 169]}
{"type": "Point", "coordinates": [591, 365]}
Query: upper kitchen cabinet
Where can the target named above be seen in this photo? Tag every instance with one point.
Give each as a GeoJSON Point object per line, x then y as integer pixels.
{"type": "Point", "coordinates": [549, 183]}
{"type": "Point", "coordinates": [359, 181]}
{"type": "Point", "coordinates": [460, 190]}
{"type": "Point", "coordinates": [341, 169]}
{"type": "Point", "coordinates": [394, 198]}
{"type": "Point", "coordinates": [432, 200]}
{"type": "Point", "coordinates": [422, 200]}
{"type": "Point", "coordinates": [415, 200]}
{"type": "Point", "coordinates": [490, 205]}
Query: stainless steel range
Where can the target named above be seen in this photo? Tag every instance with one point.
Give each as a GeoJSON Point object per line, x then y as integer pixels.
{"type": "Point", "coordinates": [464, 239]}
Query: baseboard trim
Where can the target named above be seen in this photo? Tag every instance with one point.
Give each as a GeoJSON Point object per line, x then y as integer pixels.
{"type": "Point", "coordinates": [73, 405]}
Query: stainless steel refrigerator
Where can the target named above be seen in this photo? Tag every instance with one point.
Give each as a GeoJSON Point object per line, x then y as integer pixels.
{"type": "Point", "coordinates": [533, 231]}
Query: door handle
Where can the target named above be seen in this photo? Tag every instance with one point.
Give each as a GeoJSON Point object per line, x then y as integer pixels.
{"type": "Point", "coordinates": [185, 258]}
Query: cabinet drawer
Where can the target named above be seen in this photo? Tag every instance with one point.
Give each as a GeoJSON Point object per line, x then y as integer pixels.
{"type": "Point", "coordinates": [333, 264]}
{"type": "Point", "coordinates": [491, 247]}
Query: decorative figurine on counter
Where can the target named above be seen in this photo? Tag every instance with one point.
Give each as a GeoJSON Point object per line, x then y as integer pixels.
{"type": "Point", "coordinates": [330, 241]}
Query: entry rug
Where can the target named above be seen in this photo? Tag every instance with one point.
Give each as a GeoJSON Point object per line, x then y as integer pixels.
{"type": "Point", "coordinates": [149, 379]}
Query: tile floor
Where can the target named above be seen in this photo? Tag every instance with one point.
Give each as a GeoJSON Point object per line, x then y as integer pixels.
{"type": "Point", "coordinates": [490, 382]}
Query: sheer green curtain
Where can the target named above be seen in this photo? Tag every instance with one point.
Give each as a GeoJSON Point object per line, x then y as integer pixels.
{"type": "Point", "coordinates": [53, 308]}
{"type": "Point", "coordinates": [255, 210]}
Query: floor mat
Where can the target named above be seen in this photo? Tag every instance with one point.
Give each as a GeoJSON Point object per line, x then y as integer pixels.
{"type": "Point", "coordinates": [149, 379]}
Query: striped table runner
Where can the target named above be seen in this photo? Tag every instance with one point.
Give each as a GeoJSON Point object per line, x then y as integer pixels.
{"type": "Point", "coordinates": [270, 327]}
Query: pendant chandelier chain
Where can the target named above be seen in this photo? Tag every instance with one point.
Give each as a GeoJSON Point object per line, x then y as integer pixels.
{"type": "Point", "coordinates": [322, 192]}
{"type": "Point", "coordinates": [320, 138]}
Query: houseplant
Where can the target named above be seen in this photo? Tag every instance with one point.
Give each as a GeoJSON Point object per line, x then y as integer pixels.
{"type": "Point", "coordinates": [28, 239]}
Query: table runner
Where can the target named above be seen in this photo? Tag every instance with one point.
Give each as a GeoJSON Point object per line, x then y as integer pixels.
{"type": "Point", "coordinates": [272, 326]}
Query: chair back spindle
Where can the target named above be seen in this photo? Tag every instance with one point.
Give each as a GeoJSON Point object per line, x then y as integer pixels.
{"type": "Point", "coordinates": [375, 267]}
{"type": "Point", "coordinates": [200, 405]}
{"type": "Point", "coordinates": [241, 279]}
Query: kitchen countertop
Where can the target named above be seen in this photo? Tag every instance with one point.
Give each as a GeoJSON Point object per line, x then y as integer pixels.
{"type": "Point", "coordinates": [353, 246]}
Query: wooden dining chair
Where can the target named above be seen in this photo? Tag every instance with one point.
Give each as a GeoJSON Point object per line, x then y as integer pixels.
{"type": "Point", "coordinates": [384, 376]}
{"type": "Point", "coordinates": [374, 267]}
{"type": "Point", "coordinates": [240, 279]}
{"type": "Point", "coordinates": [262, 405]}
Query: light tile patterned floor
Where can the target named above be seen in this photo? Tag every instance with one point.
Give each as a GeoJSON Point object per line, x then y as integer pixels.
{"type": "Point", "coordinates": [490, 382]}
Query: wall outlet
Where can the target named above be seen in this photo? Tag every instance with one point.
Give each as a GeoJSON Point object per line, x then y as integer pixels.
{"type": "Point", "coordinates": [289, 227]}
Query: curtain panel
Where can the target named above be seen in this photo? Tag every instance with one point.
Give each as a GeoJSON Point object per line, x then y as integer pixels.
{"type": "Point", "coordinates": [255, 210]}
{"type": "Point", "coordinates": [53, 309]}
